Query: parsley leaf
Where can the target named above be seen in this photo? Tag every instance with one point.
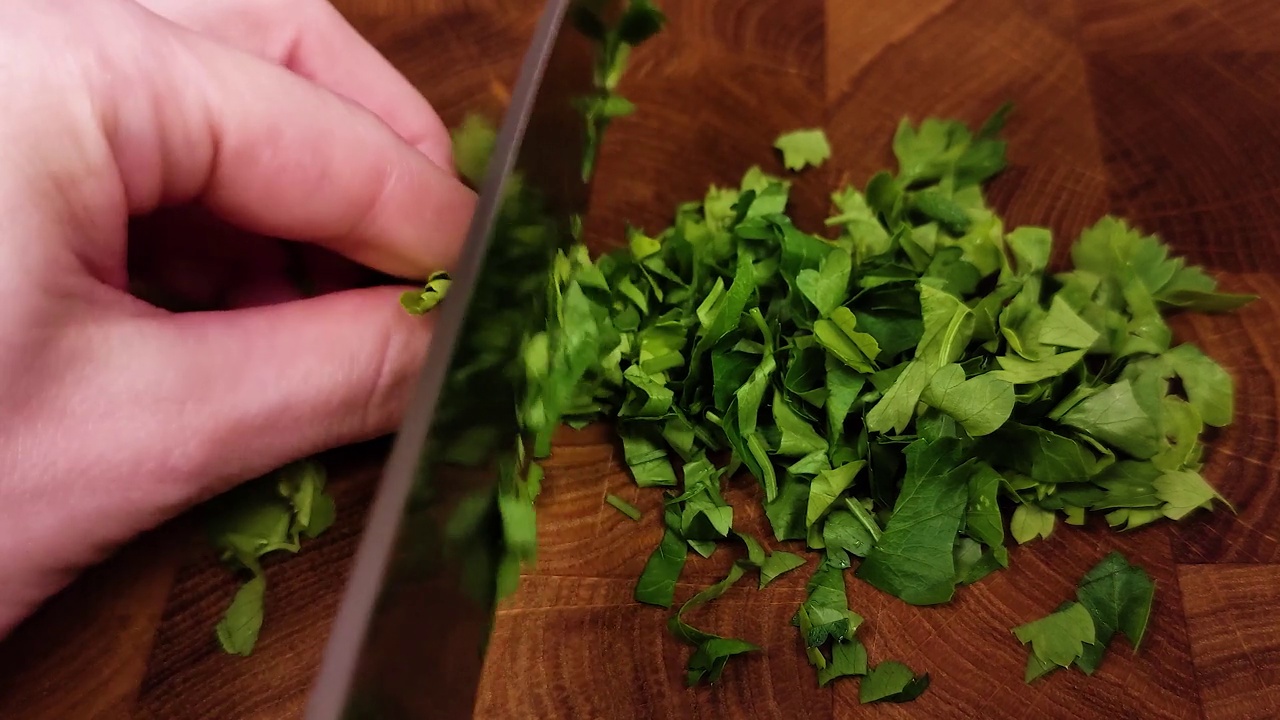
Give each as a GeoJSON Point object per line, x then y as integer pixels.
{"type": "Point", "coordinates": [824, 618]}
{"type": "Point", "coordinates": [1191, 289]}
{"type": "Point", "coordinates": [982, 513]}
{"type": "Point", "coordinates": [640, 21]}
{"type": "Point", "coordinates": [1114, 596]}
{"type": "Point", "coordinates": [1016, 370]}
{"type": "Point", "coordinates": [891, 681]}
{"type": "Point", "coordinates": [847, 659]}
{"type": "Point", "coordinates": [1114, 416]}
{"type": "Point", "coordinates": [803, 148]}
{"type": "Point", "coordinates": [709, 659]}
{"type": "Point", "coordinates": [1062, 327]}
{"type": "Point", "coordinates": [852, 530]}
{"type": "Point", "coordinates": [269, 515]}
{"type": "Point", "coordinates": [657, 583]}
{"type": "Point", "coordinates": [712, 651]}
{"type": "Point", "coordinates": [898, 405]}
{"type": "Point", "coordinates": [623, 506]}
{"type": "Point", "coordinates": [827, 287]}
{"type": "Point", "coordinates": [1118, 596]}
{"type": "Point", "coordinates": [473, 143]}
{"type": "Point", "coordinates": [778, 563]}
{"type": "Point", "coordinates": [838, 334]}
{"type": "Point", "coordinates": [981, 404]}
{"type": "Point", "coordinates": [827, 486]}
{"type": "Point", "coordinates": [238, 630]}
{"type": "Point", "coordinates": [1208, 386]}
{"type": "Point", "coordinates": [1182, 492]}
{"type": "Point", "coordinates": [1058, 639]}
{"type": "Point", "coordinates": [913, 557]}
{"type": "Point", "coordinates": [1030, 522]}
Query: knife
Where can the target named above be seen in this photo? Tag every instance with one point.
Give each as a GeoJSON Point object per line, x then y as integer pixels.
{"type": "Point", "coordinates": [409, 638]}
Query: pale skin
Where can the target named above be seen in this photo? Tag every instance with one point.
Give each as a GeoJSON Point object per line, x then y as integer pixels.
{"type": "Point", "coordinates": [273, 115]}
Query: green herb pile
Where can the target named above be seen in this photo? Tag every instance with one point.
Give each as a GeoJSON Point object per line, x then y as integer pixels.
{"type": "Point", "coordinates": [903, 388]}
{"type": "Point", "coordinates": [904, 383]}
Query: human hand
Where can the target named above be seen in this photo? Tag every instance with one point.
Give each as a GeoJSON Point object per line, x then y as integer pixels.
{"type": "Point", "coordinates": [273, 115]}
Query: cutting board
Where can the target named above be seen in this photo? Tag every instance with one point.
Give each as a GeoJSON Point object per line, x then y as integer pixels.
{"type": "Point", "coordinates": [1164, 111]}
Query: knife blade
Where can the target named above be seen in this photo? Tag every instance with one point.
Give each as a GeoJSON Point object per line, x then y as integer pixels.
{"type": "Point", "coordinates": [409, 638]}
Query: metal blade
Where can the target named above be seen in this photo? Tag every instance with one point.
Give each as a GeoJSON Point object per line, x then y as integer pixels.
{"type": "Point", "coordinates": [410, 635]}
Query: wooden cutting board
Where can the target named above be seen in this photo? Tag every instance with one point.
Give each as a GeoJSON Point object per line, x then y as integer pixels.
{"type": "Point", "coordinates": [1165, 111]}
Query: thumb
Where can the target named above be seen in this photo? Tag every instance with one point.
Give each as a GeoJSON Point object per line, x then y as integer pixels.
{"type": "Point", "coordinates": [270, 384]}
{"type": "Point", "coordinates": [138, 415]}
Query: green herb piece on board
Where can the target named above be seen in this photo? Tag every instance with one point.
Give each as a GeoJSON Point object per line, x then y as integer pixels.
{"type": "Point", "coordinates": [777, 564]}
{"type": "Point", "coordinates": [657, 583]}
{"type": "Point", "coordinates": [623, 506]}
{"type": "Point", "coordinates": [238, 630]}
{"type": "Point", "coordinates": [891, 681]}
{"type": "Point", "coordinates": [269, 515]}
{"type": "Point", "coordinates": [803, 148]}
{"type": "Point", "coordinates": [913, 558]}
{"type": "Point", "coordinates": [712, 652]}
{"type": "Point", "coordinates": [1058, 639]}
{"type": "Point", "coordinates": [1118, 596]}
{"type": "Point", "coordinates": [825, 620]}
{"type": "Point", "coordinates": [1114, 596]}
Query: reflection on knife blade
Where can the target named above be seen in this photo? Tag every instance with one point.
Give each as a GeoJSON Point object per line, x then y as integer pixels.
{"type": "Point", "coordinates": [453, 520]}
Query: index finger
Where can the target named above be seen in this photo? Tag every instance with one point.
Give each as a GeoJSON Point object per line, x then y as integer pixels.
{"type": "Point", "coordinates": [314, 40]}
{"type": "Point", "coordinates": [277, 155]}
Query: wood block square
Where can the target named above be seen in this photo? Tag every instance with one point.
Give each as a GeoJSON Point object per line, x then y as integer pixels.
{"type": "Point", "coordinates": [1134, 26]}
{"type": "Point", "coordinates": [1235, 638]}
{"type": "Point", "coordinates": [858, 34]}
{"type": "Point", "coordinates": [463, 61]}
{"type": "Point", "coordinates": [100, 630]}
{"type": "Point", "coordinates": [760, 35]}
{"type": "Point", "coordinates": [578, 533]}
{"type": "Point", "coordinates": [1190, 145]}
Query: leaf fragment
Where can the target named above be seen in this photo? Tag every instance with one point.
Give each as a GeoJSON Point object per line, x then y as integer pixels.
{"type": "Point", "coordinates": [623, 506]}
{"type": "Point", "coordinates": [891, 681]}
{"type": "Point", "coordinates": [803, 148]}
{"type": "Point", "coordinates": [913, 559]}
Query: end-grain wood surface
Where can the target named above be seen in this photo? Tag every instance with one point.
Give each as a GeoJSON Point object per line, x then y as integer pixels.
{"type": "Point", "coordinates": [1165, 111]}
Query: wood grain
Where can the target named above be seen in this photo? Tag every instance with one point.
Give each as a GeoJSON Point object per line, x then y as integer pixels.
{"type": "Point", "coordinates": [1235, 637]}
{"type": "Point", "coordinates": [1215, 205]}
{"type": "Point", "coordinates": [1245, 457]}
{"type": "Point", "coordinates": [85, 653]}
{"type": "Point", "coordinates": [1165, 111]}
{"type": "Point", "coordinates": [1179, 26]}
{"type": "Point", "coordinates": [554, 632]}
